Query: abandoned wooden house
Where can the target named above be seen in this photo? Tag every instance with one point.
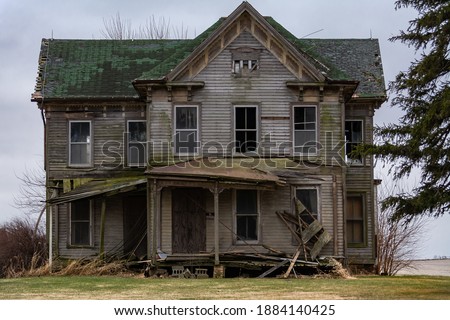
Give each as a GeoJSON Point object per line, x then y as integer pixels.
{"type": "Point", "coordinates": [213, 149]}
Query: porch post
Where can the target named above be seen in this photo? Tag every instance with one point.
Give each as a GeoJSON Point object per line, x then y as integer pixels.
{"type": "Point", "coordinates": [216, 225]}
{"type": "Point", "coordinates": [102, 228]}
{"type": "Point", "coordinates": [150, 216]}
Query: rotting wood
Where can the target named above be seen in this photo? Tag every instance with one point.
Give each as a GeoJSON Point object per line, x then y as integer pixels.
{"type": "Point", "coordinates": [275, 267]}
{"type": "Point", "coordinates": [294, 260]}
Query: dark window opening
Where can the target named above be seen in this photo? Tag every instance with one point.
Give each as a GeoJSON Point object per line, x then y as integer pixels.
{"type": "Point", "coordinates": [246, 132]}
{"type": "Point", "coordinates": [80, 143]}
{"type": "Point", "coordinates": [186, 130]}
{"type": "Point", "coordinates": [355, 220]}
{"type": "Point", "coordinates": [353, 138]}
{"type": "Point", "coordinates": [247, 214]}
{"type": "Point", "coordinates": [80, 223]}
{"type": "Point", "coordinates": [137, 138]}
{"type": "Point", "coordinates": [309, 199]}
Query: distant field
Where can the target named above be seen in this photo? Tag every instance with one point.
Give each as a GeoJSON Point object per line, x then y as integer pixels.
{"type": "Point", "coordinates": [428, 267]}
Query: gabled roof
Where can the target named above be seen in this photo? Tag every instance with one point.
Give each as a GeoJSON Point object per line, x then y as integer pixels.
{"type": "Point", "coordinates": [100, 69]}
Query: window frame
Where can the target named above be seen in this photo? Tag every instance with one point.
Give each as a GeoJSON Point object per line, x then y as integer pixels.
{"type": "Point", "coordinates": [363, 220]}
{"type": "Point", "coordinates": [89, 144]}
{"type": "Point", "coordinates": [348, 160]}
{"type": "Point", "coordinates": [90, 221]}
{"type": "Point", "coordinates": [257, 128]}
{"type": "Point", "coordinates": [236, 239]}
{"type": "Point", "coordinates": [316, 130]}
{"type": "Point", "coordinates": [176, 130]}
{"type": "Point", "coordinates": [318, 197]}
{"type": "Point", "coordinates": [144, 143]}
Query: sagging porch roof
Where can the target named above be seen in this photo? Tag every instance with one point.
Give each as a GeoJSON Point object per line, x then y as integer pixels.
{"type": "Point", "coordinates": [219, 170]}
{"type": "Point", "coordinates": [105, 187]}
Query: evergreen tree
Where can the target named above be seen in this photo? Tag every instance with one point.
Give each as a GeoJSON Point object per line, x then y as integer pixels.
{"type": "Point", "coordinates": [421, 139]}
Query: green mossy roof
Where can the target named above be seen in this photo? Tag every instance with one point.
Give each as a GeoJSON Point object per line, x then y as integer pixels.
{"type": "Point", "coordinates": [106, 68]}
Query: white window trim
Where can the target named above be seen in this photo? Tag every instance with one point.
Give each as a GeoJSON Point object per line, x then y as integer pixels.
{"type": "Point", "coordinates": [91, 227]}
{"type": "Point", "coordinates": [316, 130]}
{"type": "Point", "coordinates": [129, 163]}
{"type": "Point", "coordinates": [258, 217]}
{"type": "Point", "coordinates": [319, 204]}
{"type": "Point", "coordinates": [348, 160]}
{"type": "Point", "coordinates": [257, 127]}
{"type": "Point", "coordinates": [82, 165]}
{"type": "Point", "coordinates": [175, 130]}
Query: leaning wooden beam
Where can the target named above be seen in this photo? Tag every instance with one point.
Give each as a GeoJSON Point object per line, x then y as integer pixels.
{"type": "Point", "coordinates": [294, 233]}
{"type": "Point", "coordinates": [293, 261]}
{"type": "Point", "coordinates": [278, 265]}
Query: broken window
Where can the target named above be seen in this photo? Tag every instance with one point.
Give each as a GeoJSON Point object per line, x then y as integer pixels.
{"type": "Point", "coordinates": [186, 130]}
{"type": "Point", "coordinates": [355, 220]}
{"type": "Point", "coordinates": [245, 62]}
{"type": "Point", "coordinates": [305, 130]}
{"type": "Point", "coordinates": [353, 138]}
{"type": "Point", "coordinates": [246, 129]}
{"type": "Point", "coordinates": [309, 199]}
{"type": "Point", "coordinates": [80, 143]}
{"type": "Point", "coordinates": [245, 67]}
{"type": "Point", "coordinates": [247, 215]}
{"type": "Point", "coordinates": [137, 137]}
{"type": "Point", "coordinates": [81, 223]}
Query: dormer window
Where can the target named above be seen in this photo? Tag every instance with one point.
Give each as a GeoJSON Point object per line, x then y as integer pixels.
{"type": "Point", "coordinates": [245, 62]}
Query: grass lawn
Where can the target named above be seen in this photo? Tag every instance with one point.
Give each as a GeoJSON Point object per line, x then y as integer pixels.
{"type": "Point", "coordinates": [139, 288]}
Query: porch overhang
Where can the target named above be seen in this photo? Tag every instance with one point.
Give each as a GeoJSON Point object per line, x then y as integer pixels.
{"type": "Point", "coordinates": [104, 187]}
{"type": "Point", "coordinates": [207, 172]}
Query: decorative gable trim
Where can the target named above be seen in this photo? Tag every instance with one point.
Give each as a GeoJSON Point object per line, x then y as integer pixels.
{"type": "Point", "coordinates": [246, 18]}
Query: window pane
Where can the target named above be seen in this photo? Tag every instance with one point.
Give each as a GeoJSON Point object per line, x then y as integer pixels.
{"type": "Point", "coordinates": [186, 142]}
{"type": "Point", "coordinates": [246, 202]}
{"type": "Point", "coordinates": [80, 153]}
{"type": "Point", "coordinates": [309, 199]}
{"type": "Point", "coordinates": [240, 115]}
{"type": "Point", "coordinates": [186, 117]}
{"type": "Point", "coordinates": [251, 118]}
{"type": "Point", "coordinates": [80, 215]}
{"type": "Point", "coordinates": [80, 233]}
{"type": "Point", "coordinates": [137, 131]}
{"type": "Point", "coordinates": [80, 131]}
{"type": "Point", "coordinates": [247, 227]}
{"type": "Point", "coordinates": [310, 114]}
{"type": "Point", "coordinates": [136, 153]}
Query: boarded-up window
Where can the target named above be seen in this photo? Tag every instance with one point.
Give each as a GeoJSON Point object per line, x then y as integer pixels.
{"type": "Point", "coordinates": [355, 219]}
{"type": "Point", "coordinates": [308, 197]}
{"type": "Point", "coordinates": [353, 138]}
{"type": "Point", "coordinates": [305, 130]}
{"type": "Point", "coordinates": [246, 128]}
{"type": "Point", "coordinates": [247, 215]}
{"type": "Point", "coordinates": [186, 129]}
{"type": "Point", "coordinates": [137, 143]}
{"type": "Point", "coordinates": [80, 223]}
{"type": "Point", "coordinates": [80, 143]}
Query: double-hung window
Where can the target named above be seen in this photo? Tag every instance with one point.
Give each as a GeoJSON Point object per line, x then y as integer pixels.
{"type": "Point", "coordinates": [355, 219]}
{"type": "Point", "coordinates": [305, 130]}
{"type": "Point", "coordinates": [81, 223]}
{"type": "Point", "coordinates": [353, 138]}
{"type": "Point", "coordinates": [137, 137]}
{"type": "Point", "coordinates": [80, 133]}
{"type": "Point", "coordinates": [308, 196]}
{"type": "Point", "coordinates": [247, 215]}
{"type": "Point", "coordinates": [186, 130]}
{"type": "Point", "coordinates": [245, 129]}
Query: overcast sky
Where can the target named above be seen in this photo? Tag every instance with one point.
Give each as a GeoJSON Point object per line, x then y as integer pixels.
{"type": "Point", "coordinates": [23, 23]}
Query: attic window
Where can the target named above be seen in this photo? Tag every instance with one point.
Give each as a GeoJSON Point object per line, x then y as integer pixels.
{"type": "Point", "coordinates": [245, 62]}
{"type": "Point", "coordinates": [245, 67]}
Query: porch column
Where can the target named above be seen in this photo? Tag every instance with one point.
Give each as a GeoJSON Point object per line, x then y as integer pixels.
{"type": "Point", "coordinates": [216, 191]}
{"type": "Point", "coordinates": [102, 228]}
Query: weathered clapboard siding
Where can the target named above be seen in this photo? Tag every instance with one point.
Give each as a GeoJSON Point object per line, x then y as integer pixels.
{"type": "Point", "coordinates": [108, 124]}
{"type": "Point", "coordinates": [113, 229]}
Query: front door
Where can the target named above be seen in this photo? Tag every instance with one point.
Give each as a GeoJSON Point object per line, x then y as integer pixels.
{"type": "Point", "coordinates": [188, 220]}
